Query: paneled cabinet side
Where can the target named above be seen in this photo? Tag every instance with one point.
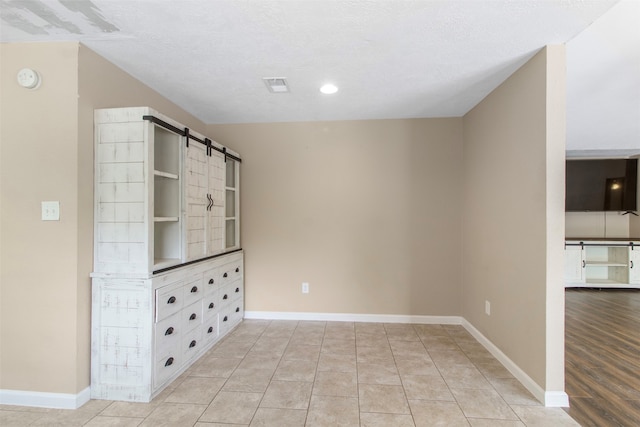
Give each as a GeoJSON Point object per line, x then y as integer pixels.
{"type": "Point", "coordinates": [121, 219]}
{"type": "Point", "coordinates": [122, 315]}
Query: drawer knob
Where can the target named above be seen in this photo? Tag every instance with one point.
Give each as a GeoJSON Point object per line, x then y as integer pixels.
{"type": "Point", "coordinates": [237, 290]}
{"type": "Point", "coordinates": [211, 281]}
{"type": "Point", "coordinates": [171, 300]}
{"type": "Point", "coordinates": [169, 362]}
{"type": "Point", "coordinates": [237, 269]}
{"type": "Point", "coordinates": [192, 344]}
{"type": "Point", "coordinates": [225, 275]}
{"type": "Point", "coordinates": [211, 305]}
{"type": "Point", "coordinates": [194, 289]}
{"type": "Point", "coordinates": [169, 331]}
{"type": "Point", "coordinates": [225, 319]}
{"type": "Point", "coordinates": [193, 316]}
{"type": "Point", "coordinates": [237, 309]}
{"type": "Point", "coordinates": [210, 329]}
{"type": "Point", "coordinates": [225, 296]}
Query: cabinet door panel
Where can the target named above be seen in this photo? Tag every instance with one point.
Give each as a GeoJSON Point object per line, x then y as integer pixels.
{"type": "Point", "coordinates": [216, 213]}
{"type": "Point", "coordinates": [196, 200]}
{"type": "Point", "coordinates": [574, 264]}
{"type": "Point", "coordinates": [634, 266]}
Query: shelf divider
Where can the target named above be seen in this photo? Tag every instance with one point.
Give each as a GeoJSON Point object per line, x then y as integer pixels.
{"type": "Point", "coordinates": [166, 174]}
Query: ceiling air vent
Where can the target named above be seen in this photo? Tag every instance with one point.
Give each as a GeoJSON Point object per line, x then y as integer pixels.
{"type": "Point", "coordinates": [276, 84]}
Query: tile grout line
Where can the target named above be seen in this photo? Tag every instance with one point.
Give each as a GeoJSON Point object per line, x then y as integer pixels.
{"type": "Point", "coordinates": [487, 379]}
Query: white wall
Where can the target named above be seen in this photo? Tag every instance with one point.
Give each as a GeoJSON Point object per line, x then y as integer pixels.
{"type": "Point", "coordinates": [597, 224]}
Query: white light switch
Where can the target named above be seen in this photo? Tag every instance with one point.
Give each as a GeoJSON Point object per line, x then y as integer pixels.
{"type": "Point", "coordinates": [51, 211]}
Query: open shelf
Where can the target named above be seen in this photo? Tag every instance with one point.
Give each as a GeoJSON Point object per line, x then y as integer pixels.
{"type": "Point", "coordinates": [160, 263]}
{"type": "Point", "coordinates": [231, 213]}
{"type": "Point", "coordinates": [605, 264]}
{"type": "Point", "coordinates": [166, 193]}
{"type": "Point", "coordinates": [166, 155]}
{"type": "Point", "coordinates": [166, 241]}
{"type": "Point", "coordinates": [166, 219]}
{"type": "Point", "coordinates": [230, 232]}
{"type": "Point", "coordinates": [166, 174]}
{"type": "Point", "coordinates": [602, 282]}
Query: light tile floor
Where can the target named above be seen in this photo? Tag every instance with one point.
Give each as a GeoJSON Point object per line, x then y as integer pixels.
{"type": "Point", "coordinates": [289, 373]}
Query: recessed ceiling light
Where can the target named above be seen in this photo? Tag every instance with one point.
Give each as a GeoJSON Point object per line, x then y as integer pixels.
{"type": "Point", "coordinates": [276, 84]}
{"type": "Point", "coordinates": [329, 89]}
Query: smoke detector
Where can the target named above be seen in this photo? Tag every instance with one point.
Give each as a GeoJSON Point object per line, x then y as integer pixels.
{"type": "Point", "coordinates": [276, 84]}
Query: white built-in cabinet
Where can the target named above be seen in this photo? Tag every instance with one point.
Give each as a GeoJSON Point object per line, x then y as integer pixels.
{"type": "Point", "coordinates": [168, 266]}
{"type": "Point", "coordinates": [602, 264]}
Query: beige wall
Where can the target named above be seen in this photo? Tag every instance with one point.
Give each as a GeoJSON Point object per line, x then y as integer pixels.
{"type": "Point", "coordinates": [367, 212]}
{"type": "Point", "coordinates": [39, 259]}
{"type": "Point", "coordinates": [513, 215]}
{"type": "Point", "coordinates": [47, 154]}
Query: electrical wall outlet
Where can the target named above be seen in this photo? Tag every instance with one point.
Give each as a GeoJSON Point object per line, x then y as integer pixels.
{"type": "Point", "coordinates": [487, 308]}
{"type": "Point", "coordinates": [305, 287]}
{"type": "Point", "coordinates": [51, 211]}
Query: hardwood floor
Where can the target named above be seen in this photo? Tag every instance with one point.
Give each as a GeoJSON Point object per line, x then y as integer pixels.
{"type": "Point", "coordinates": [602, 356]}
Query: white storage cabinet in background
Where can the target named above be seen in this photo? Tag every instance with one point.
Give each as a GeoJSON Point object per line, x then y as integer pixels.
{"type": "Point", "coordinates": [602, 264]}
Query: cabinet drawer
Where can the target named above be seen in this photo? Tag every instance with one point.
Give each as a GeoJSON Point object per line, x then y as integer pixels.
{"type": "Point", "coordinates": [169, 278]}
{"type": "Point", "coordinates": [167, 366]}
{"type": "Point", "coordinates": [238, 313]}
{"type": "Point", "coordinates": [234, 310]}
{"type": "Point", "coordinates": [192, 316]}
{"type": "Point", "coordinates": [210, 305]}
{"type": "Point", "coordinates": [230, 316]}
{"type": "Point", "coordinates": [237, 290]}
{"type": "Point", "coordinates": [230, 293]}
{"type": "Point", "coordinates": [168, 300]}
{"type": "Point", "coordinates": [192, 343]}
{"type": "Point", "coordinates": [167, 336]}
{"type": "Point", "coordinates": [210, 329]}
{"type": "Point", "coordinates": [224, 322]}
{"type": "Point", "coordinates": [225, 296]}
{"type": "Point", "coordinates": [211, 280]}
{"type": "Point", "coordinates": [193, 290]}
{"type": "Point", "coordinates": [231, 272]}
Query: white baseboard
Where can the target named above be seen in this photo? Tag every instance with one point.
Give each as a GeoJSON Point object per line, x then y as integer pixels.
{"type": "Point", "coordinates": [352, 317]}
{"type": "Point", "coordinates": [45, 400]}
{"type": "Point", "coordinates": [549, 398]}
{"type": "Point", "coordinates": [556, 399]}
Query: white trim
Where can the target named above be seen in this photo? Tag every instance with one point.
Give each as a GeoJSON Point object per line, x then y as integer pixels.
{"type": "Point", "coordinates": [353, 317]}
{"type": "Point", "coordinates": [45, 400]}
{"type": "Point", "coordinates": [550, 398]}
{"type": "Point", "coordinates": [556, 399]}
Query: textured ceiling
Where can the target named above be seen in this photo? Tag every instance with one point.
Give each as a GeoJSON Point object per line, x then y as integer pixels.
{"type": "Point", "coordinates": [391, 59]}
